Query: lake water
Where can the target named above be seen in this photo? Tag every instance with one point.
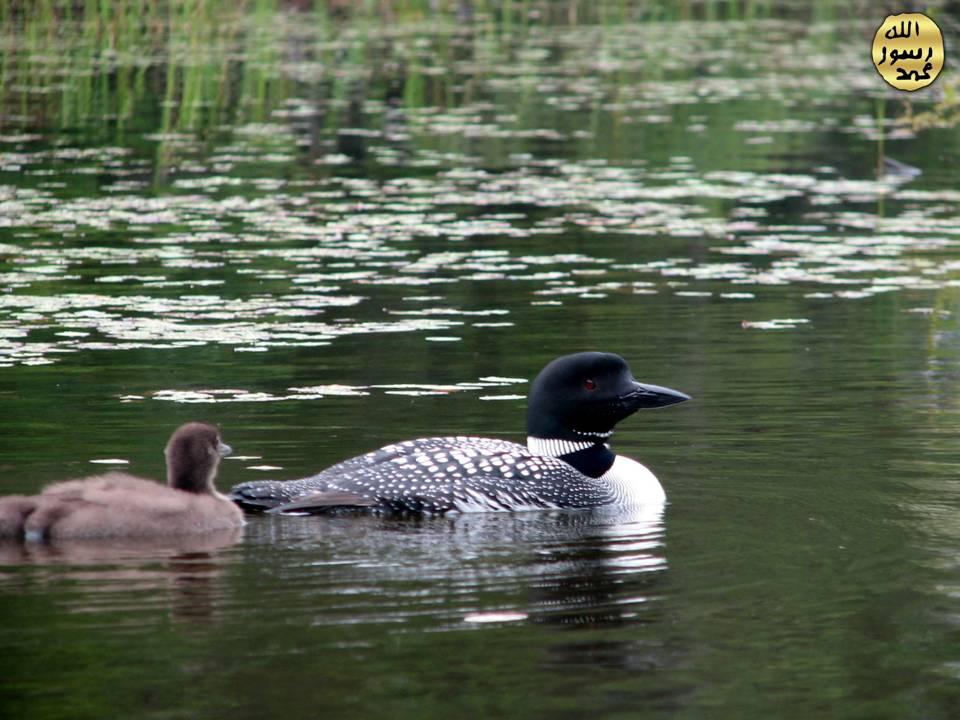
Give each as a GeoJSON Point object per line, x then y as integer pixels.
{"type": "Point", "coordinates": [326, 229]}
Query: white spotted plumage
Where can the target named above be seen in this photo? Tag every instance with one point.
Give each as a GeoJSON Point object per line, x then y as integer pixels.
{"type": "Point", "coordinates": [476, 475]}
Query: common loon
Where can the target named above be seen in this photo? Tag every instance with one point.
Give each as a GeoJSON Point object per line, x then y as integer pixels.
{"type": "Point", "coordinates": [573, 406]}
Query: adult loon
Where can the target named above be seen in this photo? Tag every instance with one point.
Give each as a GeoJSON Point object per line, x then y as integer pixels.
{"type": "Point", "coordinates": [573, 406]}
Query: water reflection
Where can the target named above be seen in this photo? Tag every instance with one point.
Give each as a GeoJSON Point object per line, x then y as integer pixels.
{"type": "Point", "coordinates": [182, 575]}
{"type": "Point", "coordinates": [588, 569]}
{"type": "Point", "coordinates": [607, 576]}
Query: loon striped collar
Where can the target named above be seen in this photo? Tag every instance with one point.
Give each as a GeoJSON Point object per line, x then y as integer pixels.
{"type": "Point", "coordinates": [556, 448]}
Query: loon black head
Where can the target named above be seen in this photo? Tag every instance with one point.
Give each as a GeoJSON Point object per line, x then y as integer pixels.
{"type": "Point", "coordinates": [583, 396]}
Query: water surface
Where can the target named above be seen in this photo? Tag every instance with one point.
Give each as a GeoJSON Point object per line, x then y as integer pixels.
{"type": "Point", "coordinates": [327, 229]}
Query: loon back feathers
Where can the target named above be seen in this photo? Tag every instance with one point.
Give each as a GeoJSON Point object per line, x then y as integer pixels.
{"type": "Point", "coordinates": [435, 475]}
{"type": "Point", "coordinates": [574, 404]}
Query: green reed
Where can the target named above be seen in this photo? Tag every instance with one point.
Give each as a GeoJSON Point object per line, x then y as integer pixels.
{"type": "Point", "coordinates": [201, 67]}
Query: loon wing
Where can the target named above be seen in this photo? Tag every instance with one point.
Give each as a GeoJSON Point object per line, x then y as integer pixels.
{"type": "Point", "coordinates": [261, 495]}
{"type": "Point", "coordinates": [434, 475]}
{"type": "Point", "coordinates": [326, 500]}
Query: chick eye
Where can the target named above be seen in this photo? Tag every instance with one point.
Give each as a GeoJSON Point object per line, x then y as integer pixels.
{"type": "Point", "coordinates": [590, 384]}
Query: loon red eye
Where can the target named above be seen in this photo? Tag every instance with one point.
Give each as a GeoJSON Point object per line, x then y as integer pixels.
{"type": "Point", "coordinates": [590, 384]}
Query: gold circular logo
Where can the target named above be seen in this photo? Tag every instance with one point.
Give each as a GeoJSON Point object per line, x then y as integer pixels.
{"type": "Point", "coordinates": [908, 51]}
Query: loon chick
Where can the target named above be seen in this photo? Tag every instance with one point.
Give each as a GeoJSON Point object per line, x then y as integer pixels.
{"type": "Point", "coordinates": [574, 404]}
{"type": "Point", "coordinates": [116, 504]}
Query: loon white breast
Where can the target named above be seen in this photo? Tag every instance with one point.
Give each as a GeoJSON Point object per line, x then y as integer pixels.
{"type": "Point", "coordinates": [575, 403]}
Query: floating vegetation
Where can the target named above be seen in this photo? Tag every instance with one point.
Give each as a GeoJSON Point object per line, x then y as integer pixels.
{"type": "Point", "coordinates": [281, 268]}
{"type": "Point", "coordinates": [314, 392]}
{"type": "Point", "coordinates": [316, 209]}
{"type": "Point", "coordinates": [774, 324]}
{"type": "Point", "coordinates": [939, 312]}
{"type": "Point", "coordinates": [501, 616]}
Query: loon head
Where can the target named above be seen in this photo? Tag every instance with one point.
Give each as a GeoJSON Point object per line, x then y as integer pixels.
{"type": "Point", "coordinates": [193, 454]}
{"type": "Point", "coordinates": [583, 396]}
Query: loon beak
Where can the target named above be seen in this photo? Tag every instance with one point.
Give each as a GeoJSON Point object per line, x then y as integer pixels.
{"type": "Point", "coordinates": [223, 449]}
{"type": "Point", "coordinates": [644, 395]}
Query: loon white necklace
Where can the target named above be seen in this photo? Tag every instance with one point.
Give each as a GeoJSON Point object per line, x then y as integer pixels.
{"type": "Point", "coordinates": [556, 448]}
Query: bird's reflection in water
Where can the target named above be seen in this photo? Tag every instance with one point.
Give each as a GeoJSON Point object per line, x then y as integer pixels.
{"type": "Point", "coordinates": [610, 578]}
{"type": "Point", "coordinates": [603, 575]}
{"type": "Point", "coordinates": [180, 573]}
{"type": "Point", "coordinates": [566, 568]}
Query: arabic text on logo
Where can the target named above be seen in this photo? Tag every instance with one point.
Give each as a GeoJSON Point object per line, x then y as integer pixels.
{"type": "Point", "coordinates": [908, 51]}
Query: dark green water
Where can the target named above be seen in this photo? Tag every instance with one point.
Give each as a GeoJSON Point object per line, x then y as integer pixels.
{"type": "Point", "coordinates": [330, 229]}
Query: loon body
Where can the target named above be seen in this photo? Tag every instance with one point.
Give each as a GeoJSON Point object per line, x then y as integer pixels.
{"type": "Point", "coordinates": [574, 404]}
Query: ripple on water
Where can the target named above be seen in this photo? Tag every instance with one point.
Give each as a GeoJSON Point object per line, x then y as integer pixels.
{"type": "Point", "coordinates": [560, 567]}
